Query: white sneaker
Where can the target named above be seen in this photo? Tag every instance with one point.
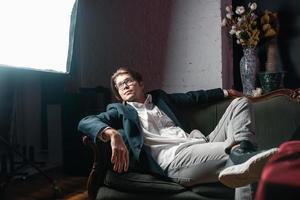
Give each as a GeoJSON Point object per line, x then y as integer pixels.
{"type": "Point", "coordinates": [247, 172]}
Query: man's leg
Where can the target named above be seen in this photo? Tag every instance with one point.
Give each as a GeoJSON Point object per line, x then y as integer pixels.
{"type": "Point", "coordinates": [198, 163]}
{"type": "Point", "coordinates": [247, 172]}
{"type": "Point", "coordinates": [202, 163]}
{"type": "Point", "coordinates": [235, 125]}
{"type": "Point", "coordinates": [244, 193]}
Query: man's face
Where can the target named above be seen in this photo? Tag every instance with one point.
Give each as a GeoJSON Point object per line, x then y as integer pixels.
{"type": "Point", "coordinates": [129, 89]}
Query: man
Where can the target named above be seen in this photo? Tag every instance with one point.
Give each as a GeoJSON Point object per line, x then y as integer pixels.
{"type": "Point", "coordinates": [147, 129]}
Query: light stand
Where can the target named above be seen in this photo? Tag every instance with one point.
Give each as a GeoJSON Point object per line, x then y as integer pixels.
{"type": "Point", "coordinates": [14, 171]}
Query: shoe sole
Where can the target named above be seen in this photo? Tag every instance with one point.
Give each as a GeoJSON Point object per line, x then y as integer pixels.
{"type": "Point", "coordinates": [247, 172]}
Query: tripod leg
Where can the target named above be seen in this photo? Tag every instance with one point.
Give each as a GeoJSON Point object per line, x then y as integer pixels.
{"type": "Point", "coordinates": [56, 189]}
{"type": "Point", "coordinates": [2, 189]}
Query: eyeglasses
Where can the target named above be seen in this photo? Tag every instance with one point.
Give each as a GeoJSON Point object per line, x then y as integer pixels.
{"type": "Point", "coordinates": [123, 84]}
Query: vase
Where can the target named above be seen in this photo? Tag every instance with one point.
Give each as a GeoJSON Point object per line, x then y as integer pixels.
{"type": "Point", "coordinates": [272, 56]}
{"type": "Point", "coordinates": [271, 81]}
{"type": "Point", "coordinates": [249, 64]}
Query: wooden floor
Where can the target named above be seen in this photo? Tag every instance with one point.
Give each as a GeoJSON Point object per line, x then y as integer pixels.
{"type": "Point", "coordinates": [37, 187]}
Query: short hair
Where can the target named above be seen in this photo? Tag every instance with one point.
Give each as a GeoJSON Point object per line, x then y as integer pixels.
{"type": "Point", "coordinates": [123, 70]}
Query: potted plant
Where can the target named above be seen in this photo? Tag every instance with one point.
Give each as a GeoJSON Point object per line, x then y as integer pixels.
{"type": "Point", "coordinates": [250, 29]}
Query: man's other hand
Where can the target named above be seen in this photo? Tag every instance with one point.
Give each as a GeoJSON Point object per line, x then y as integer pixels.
{"type": "Point", "coordinates": [234, 93]}
{"type": "Point", "coordinates": [120, 155]}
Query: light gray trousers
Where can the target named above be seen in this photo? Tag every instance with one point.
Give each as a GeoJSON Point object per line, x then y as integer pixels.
{"type": "Point", "coordinates": [201, 163]}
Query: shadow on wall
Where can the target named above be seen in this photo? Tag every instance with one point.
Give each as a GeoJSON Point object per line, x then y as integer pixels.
{"type": "Point", "coordinates": [289, 31]}
{"type": "Point", "coordinates": [131, 33]}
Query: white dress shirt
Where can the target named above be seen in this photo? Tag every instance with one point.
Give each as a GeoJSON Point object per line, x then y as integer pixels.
{"type": "Point", "coordinates": [160, 133]}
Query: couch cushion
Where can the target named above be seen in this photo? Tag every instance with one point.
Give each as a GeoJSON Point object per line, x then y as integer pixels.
{"type": "Point", "coordinates": [108, 193]}
{"type": "Point", "coordinates": [132, 181]}
{"type": "Point", "coordinates": [214, 190]}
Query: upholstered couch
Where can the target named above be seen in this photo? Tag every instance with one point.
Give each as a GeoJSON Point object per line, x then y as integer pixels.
{"type": "Point", "coordinates": [277, 118]}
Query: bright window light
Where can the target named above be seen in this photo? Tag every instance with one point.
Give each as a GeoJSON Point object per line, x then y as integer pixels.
{"type": "Point", "coordinates": [34, 34]}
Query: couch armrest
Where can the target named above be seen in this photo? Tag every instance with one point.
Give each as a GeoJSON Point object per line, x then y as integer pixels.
{"type": "Point", "coordinates": [277, 117]}
{"type": "Point", "coordinates": [293, 94]}
{"type": "Point", "coordinates": [99, 167]}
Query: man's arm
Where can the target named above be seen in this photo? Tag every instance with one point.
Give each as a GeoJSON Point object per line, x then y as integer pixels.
{"type": "Point", "coordinates": [99, 127]}
{"type": "Point", "coordinates": [234, 93]}
{"type": "Point", "coordinates": [94, 125]}
{"type": "Point", "coordinates": [203, 96]}
{"type": "Point", "coordinates": [197, 97]}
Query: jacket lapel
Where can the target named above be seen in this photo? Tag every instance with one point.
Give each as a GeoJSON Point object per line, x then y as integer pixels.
{"type": "Point", "coordinates": [131, 114]}
{"type": "Point", "coordinates": [162, 104]}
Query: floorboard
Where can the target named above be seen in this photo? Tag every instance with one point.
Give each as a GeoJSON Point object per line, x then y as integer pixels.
{"type": "Point", "coordinates": [37, 187]}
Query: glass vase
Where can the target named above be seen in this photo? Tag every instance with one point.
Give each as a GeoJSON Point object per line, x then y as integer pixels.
{"type": "Point", "coordinates": [249, 65]}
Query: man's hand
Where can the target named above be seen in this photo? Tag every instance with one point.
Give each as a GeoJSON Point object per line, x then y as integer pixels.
{"type": "Point", "coordinates": [234, 93]}
{"type": "Point", "coordinates": [120, 155]}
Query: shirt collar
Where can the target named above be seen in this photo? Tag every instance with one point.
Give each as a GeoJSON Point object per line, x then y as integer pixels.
{"type": "Point", "coordinates": [147, 104]}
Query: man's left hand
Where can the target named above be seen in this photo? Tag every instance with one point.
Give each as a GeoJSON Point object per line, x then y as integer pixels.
{"type": "Point", "coordinates": [234, 93]}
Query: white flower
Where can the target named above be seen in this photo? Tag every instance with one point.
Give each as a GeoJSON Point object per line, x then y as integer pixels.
{"type": "Point", "coordinates": [257, 92]}
{"type": "Point", "coordinates": [238, 34]}
{"type": "Point", "coordinates": [228, 8]}
{"type": "Point", "coordinates": [253, 6]}
{"type": "Point", "coordinates": [243, 24]}
{"type": "Point", "coordinates": [239, 10]}
{"type": "Point", "coordinates": [229, 15]}
{"type": "Point", "coordinates": [232, 32]}
{"type": "Point", "coordinates": [224, 22]}
{"type": "Point", "coordinates": [253, 16]}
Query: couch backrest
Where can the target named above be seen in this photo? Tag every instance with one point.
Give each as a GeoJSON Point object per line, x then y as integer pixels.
{"type": "Point", "coordinates": [277, 119]}
{"type": "Point", "coordinates": [205, 117]}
